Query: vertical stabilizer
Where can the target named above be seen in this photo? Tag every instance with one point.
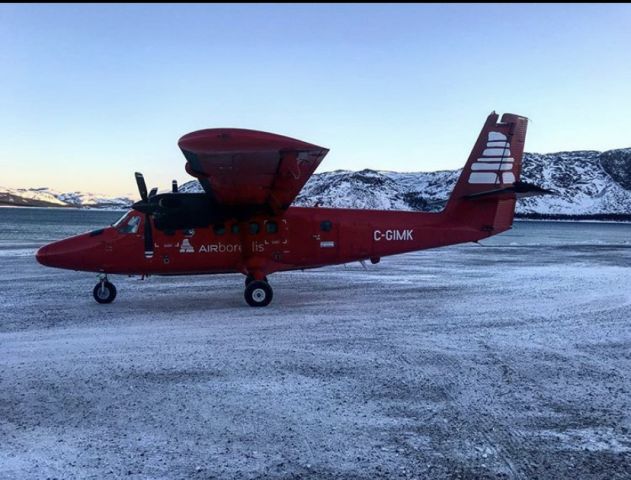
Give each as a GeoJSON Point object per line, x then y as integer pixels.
{"type": "Point", "coordinates": [484, 194]}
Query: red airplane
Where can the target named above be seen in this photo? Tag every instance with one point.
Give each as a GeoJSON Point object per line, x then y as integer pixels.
{"type": "Point", "coordinates": [243, 222]}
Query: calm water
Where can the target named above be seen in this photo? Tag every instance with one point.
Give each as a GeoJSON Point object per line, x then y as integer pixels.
{"type": "Point", "coordinates": [22, 230]}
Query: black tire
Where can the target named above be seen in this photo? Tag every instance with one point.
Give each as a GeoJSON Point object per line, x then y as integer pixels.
{"type": "Point", "coordinates": [258, 294]}
{"type": "Point", "coordinates": [105, 295]}
{"type": "Point", "coordinates": [250, 278]}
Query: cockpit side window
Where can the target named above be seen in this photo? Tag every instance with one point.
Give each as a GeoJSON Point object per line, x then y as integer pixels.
{"type": "Point", "coordinates": [131, 226]}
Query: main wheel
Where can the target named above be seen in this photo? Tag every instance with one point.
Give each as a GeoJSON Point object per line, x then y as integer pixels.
{"type": "Point", "coordinates": [104, 292]}
{"type": "Point", "coordinates": [250, 278]}
{"type": "Point", "coordinates": [258, 293]}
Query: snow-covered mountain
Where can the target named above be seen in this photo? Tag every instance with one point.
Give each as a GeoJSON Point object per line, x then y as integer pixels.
{"type": "Point", "coordinates": [45, 197]}
{"type": "Point", "coordinates": [584, 182]}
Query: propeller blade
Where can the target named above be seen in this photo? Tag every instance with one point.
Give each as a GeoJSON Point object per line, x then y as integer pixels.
{"type": "Point", "coordinates": [148, 236]}
{"type": "Point", "coordinates": [174, 186]}
{"type": "Point", "coordinates": [153, 192]}
{"type": "Point", "coordinates": [142, 186]}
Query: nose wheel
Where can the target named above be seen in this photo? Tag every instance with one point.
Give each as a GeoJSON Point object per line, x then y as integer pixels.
{"type": "Point", "coordinates": [104, 291]}
{"type": "Point", "coordinates": [258, 293]}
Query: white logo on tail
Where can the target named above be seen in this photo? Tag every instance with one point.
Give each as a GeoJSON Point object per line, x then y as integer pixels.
{"type": "Point", "coordinates": [496, 164]}
{"type": "Point", "coordinates": [186, 247]}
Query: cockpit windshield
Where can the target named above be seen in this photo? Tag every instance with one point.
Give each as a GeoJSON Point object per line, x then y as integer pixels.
{"type": "Point", "coordinates": [120, 220]}
{"type": "Point", "coordinates": [128, 223]}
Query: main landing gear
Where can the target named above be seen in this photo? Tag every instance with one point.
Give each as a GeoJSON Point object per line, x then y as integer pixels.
{"type": "Point", "coordinates": [258, 293]}
{"type": "Point", "coordinates": [250, 278]}
{"type": "Point", "coordinates": [104, 291]}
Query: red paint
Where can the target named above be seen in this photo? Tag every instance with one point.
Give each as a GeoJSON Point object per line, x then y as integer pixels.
{"type": "Point", "coordinates": [266, 170]}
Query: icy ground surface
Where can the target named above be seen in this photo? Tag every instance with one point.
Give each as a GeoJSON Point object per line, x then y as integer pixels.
{"type": "Point", "coordinates": [506, 361]}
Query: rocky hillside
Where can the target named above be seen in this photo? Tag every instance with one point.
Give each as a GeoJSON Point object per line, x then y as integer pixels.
{"type": "Point", "coordinates": [586, 183]}
{"type": "Point", "coordinates": [45, 197]}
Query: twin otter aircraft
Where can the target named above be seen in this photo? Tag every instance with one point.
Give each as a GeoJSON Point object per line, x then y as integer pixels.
{"type": "Point", "coordinates": [243, 222]}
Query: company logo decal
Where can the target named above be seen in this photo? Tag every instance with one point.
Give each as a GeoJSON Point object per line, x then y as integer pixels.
{"type": "Point", "coordinates": [496, 164]}
{"type": "Point", "coordinates": [220, 248]}
{"type": "Point", "coordinates": [257, 247]}
{"type": "Point", "coordinates": [186, 247]}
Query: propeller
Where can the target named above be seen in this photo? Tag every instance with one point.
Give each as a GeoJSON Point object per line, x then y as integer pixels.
{"type": "Point", "coordinates": [145, 206]}
{"type": "Point", "coordinates": [142, 186]}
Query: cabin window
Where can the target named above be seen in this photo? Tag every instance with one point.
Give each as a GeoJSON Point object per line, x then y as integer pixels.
{"type": "Point", "coordinates": [219, 229]}
{"type": "Point", "coordinates": [271, 227]}
{"type": "Point", "coordinates": [254, 228]}
{"type": "Point", "coordinates": [326, 226]}
{"type": "Point", "coordinates": [131, 226]}
{"type": "Point", "coordinates": [235, 228]}
{"type": "Point", "coordinates": [189, 232]}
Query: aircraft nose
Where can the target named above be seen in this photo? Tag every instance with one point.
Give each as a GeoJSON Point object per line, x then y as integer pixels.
{"type": "Point", "coordinates": [53, 255]}
{"type": "Point", "coordinates": [43, 255]}
{"type": "Point", "coordinates": [69, 253]}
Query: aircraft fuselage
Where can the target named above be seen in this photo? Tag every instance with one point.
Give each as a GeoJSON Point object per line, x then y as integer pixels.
{"type": "Point", "coordinates": [301, 238]}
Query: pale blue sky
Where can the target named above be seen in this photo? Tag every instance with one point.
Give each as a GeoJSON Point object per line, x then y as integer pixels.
{"type": "Point", "coordinates": [91, 93]}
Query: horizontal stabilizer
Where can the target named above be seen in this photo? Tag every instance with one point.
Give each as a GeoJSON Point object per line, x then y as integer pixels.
{"type": "Point", "coordinates": [519, 189]}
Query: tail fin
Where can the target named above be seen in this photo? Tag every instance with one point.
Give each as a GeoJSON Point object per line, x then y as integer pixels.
{"type": "Point", "coordinates": [486, 191]}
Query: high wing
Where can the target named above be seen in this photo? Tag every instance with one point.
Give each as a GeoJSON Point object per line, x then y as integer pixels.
{"type": "Point", "coordinates": [249, 168]}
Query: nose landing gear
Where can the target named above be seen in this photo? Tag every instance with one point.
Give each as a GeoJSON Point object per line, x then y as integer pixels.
{"type": "Point", "coordinates": [104, 291]}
